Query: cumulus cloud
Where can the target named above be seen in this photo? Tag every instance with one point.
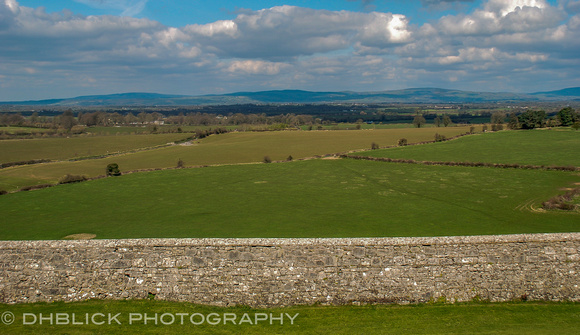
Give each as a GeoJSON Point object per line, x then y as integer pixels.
{"type": "Point", "coordinates": [8, 12]}
{"type": "Point", "coordinates": [573, 6]}
{"type": "Point", "coordinates": [255, 67]}
{"type": "Point", "coordinates": [287, 31]}
{"type": "Point", "coordinates": [518, 43]}
{"type": "Point", "coordinates": [503, 17]}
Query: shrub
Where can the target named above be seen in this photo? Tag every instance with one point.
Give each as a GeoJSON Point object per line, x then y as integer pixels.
{"type": "Point", "coordinates": [69, 178]}
{"type": "Point", "coordinates": [113, 170]}
{"type": "Point", "coordinates": [2, 192]}
{"type": "Point", "coordinates": [289, 158]}
{"type": "Point", "coordinates": [180, 164]}
{"type": "Point", "coordinates": [402, 142]}
{"type": "Point", "coordinates": [29, 162]}
{"type": "Point", "coordinates": [576, 125]}
{"type": "Point", "coordinates": [374, 146]}
{"type": "Point", "coordinates": [563, 202]}
{"type": "Point", "coordinates": [267, 159]}
{"type": "Point", "coordinates": [36, 187]}
{"type": "Point", "coordinates": [471, 130]}
{"type": "Point", "coordinates": [439, 138]}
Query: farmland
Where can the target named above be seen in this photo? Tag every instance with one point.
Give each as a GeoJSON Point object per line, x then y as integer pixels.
{"type": "Point", "coordinates": [231, 148]}
{"type": "Point", "coordinates": [243, 197]}
{"type": "Point", "coordinates": [536, 147]}
{"type": "Point", "coordinates": [314, 198]}
{"type": "Point", "coordinates": [61, 148]}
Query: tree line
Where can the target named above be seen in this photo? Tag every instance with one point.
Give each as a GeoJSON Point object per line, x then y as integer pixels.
{"type": "Point", "coordinates": [75, 122]}
{"type": "Point", "coordinates": [68, 119]}
{"type": "Point", "coordinates": [530, 119]}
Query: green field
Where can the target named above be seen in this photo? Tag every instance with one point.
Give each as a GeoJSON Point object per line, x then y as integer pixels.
{"type": "Point", "coordinates": [58, 148]}
{"type": "Point", "coordinates": [231, 148]}
{"type": "Point", "coordinates": [21, 130]}
{"type": "Point", "coordinates": [469, 318]}
{"type": "Point", "coordinates": [353, 126]}
{"type": "Point", "coordinates": [314, 198]}
{"type": "Point", "coordinates": [535, 147]}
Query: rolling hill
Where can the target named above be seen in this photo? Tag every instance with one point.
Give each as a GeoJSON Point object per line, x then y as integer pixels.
{"type": "Point", "coordinates": [411, 95]}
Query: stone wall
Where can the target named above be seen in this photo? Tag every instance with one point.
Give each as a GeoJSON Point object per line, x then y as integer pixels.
{"type": "Point", "coordinates": [280, 272]}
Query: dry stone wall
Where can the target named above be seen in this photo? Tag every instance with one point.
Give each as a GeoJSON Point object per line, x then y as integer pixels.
{"type": "Point", "coordinates": [281, 272]}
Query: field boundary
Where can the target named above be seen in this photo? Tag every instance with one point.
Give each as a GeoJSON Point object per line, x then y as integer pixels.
{"type": "Point", "coordinates": [295, 271]}
{"type": "Point", "coordinates": [467, 164]}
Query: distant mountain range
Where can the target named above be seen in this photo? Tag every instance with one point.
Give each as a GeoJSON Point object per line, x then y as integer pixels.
{"type": "Point", "coordinates": [411, 95]}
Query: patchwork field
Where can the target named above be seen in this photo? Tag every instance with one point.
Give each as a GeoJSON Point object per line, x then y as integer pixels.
{"type": "Point", "coordinates": [231, 148]}
{"type": "Point", "coordinates": [314, 198]}
{"type": "Point", "coordinates": [534, 147]}
{"type": "Point", "coordinates": [60, 148]}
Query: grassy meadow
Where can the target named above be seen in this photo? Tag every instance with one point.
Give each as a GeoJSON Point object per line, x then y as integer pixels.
{"type": "Point", "coordinates": [465, 318]}
{"type": "Point", "coordinates": [61, 148]}
{"type": "Point", "coordinates": [310, 198]}
{"type": "Point", "coordinates": [534, 147]}
{"type": "Point", "coordinates": [231, 148]}
{"type": "Point", "coordinates": [313, 198]}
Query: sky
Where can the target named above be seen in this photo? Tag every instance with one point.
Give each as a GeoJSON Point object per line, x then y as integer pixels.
{"type": "Point", "coordinates": [68, 48]}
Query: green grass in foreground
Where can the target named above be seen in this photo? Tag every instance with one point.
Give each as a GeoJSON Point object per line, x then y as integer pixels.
{"type": "Point", "coordinates": [315, 198]}
{"type": "Point", "coordinates": [470, 318]}
{"type": "Point", "coordinates": [535, 147]}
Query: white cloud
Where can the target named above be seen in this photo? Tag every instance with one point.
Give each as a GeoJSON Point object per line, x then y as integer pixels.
{"type": "Point", "coordinates": [285, 32]}
{"type": "Point", "coordinates": [225, 27]}
{"type": "Point", "coordinates": [503, 17]}
{"type": "Point", "coordinates": [505, 7]}
{"type": "Point", "coordinates": [256, 67]}
{"type": "Point", "coordinates": [573, 6]}
{"type": "Point", "coordinates": [518, 43]}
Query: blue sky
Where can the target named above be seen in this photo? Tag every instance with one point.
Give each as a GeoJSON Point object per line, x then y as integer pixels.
{"type": "Point", "coordinates": [178, 13]}
{"type": "Point", "coordinates": [58, 48]}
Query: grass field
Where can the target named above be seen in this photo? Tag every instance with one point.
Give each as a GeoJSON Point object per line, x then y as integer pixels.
{"type": "Point", "coordinates": [535, 147]}
{"type": "Point", "coordinates": [21, 130]}
{"type": "Point", "coordinates": [57, 148]}
{"type": "Point", "coordinates": [469, 318]}
{"type": "Point", "coordinates": [231, 148]}
{"type": "Point", "coordinates": [353, 126]}
{"type": "Point", "coordinates": [314, 198]}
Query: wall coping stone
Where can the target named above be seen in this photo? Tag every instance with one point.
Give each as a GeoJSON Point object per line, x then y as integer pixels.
{"type": "Point", "coordinates": [269, 242]}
